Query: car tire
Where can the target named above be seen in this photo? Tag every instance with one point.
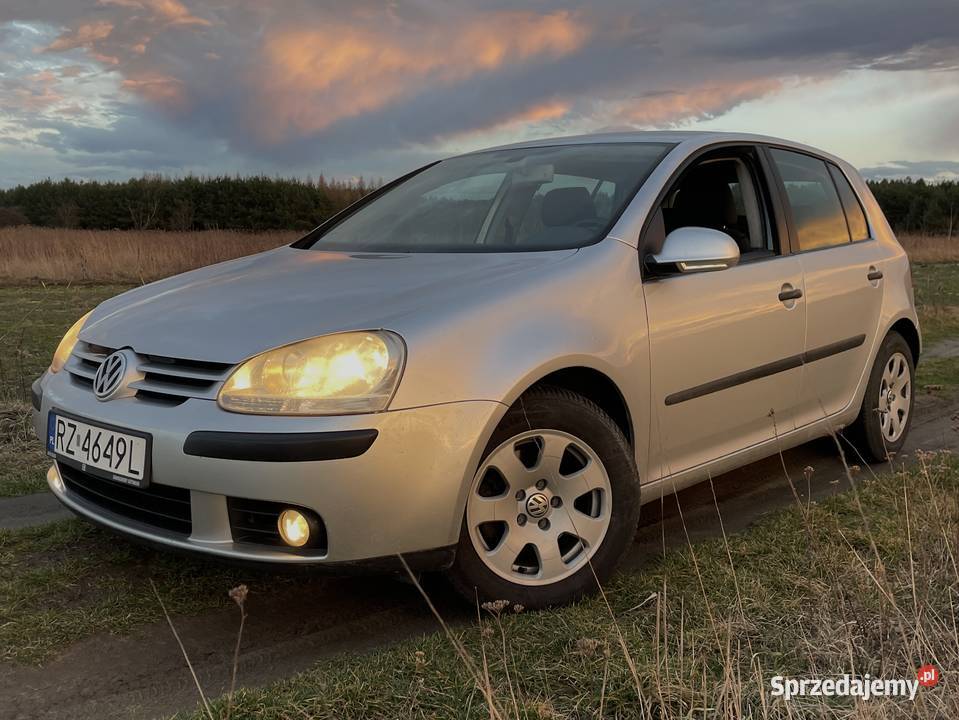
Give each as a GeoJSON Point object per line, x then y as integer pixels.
{"type": "Point", "coordinates": [571, 553]}
{"type": "Point", "coordinates": [887, 408]}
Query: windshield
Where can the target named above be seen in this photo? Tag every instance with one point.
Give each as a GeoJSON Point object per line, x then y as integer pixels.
{"type": "Point", "coordinates": [547, 198]}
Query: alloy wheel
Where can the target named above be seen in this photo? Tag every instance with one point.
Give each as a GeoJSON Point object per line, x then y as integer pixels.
{"type": "Point", "coordinates": [539, 507]}
{"type": "Point", "coordinates": [895, 391]}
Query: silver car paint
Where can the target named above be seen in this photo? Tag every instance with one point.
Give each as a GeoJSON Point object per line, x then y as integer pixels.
{"type": "Point", "coordinates": [480, 329]}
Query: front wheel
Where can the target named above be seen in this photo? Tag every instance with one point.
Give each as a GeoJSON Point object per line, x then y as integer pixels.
{"type": "Point", "coordinates": [886, 414]}
{"type": "Point", "coordinates": [553, 506]}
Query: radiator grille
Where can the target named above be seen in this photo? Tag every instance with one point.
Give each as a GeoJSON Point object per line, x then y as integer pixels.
{"type": "Point", "coordinates": [164, 379]}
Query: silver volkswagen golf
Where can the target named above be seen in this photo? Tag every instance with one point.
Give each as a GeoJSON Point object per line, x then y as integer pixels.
{"type": "Point", "coordinates": [487, 365]}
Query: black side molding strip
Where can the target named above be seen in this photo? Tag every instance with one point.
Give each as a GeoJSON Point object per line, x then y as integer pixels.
{"type": "Point", "coordinates": [279, 447]}
{"type": "Point", "coordinates": [835, 348]}
{"type": "Point", "coordinates": [766, 370]}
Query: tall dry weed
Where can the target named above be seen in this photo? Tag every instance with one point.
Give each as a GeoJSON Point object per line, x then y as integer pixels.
{"type": "Point", "coordinates": [118, 256]}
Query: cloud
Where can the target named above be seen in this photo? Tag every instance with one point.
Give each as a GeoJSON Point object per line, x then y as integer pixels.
{"type": "Point", "coordinates": [85, 35]}
{"type": "Point", "coordinates": [549, 110]}
{"type": "Point", "coordinates": [170, 11]}
{"type": "Point", "coordinates": [160, 89]}
{"type": "Point", "coordinates": [301, 86]}
{"type": "Point", "coordinates": [656, 109]}
{"type": "Point", "coordinates": [308, 79]}
{"type": "Point", "coordinates": [936, 169]}
{"type": "Point", "coordinates": [34, 93]}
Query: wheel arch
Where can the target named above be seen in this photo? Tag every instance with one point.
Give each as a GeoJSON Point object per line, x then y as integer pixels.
{"type": "Point", "coordinates": [910, 333]}
{"type": "Point", "coordinates": [595, 386]}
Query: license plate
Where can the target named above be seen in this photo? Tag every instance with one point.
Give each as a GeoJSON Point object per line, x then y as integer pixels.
{"type": "Point", "coordinates": [106, 452]}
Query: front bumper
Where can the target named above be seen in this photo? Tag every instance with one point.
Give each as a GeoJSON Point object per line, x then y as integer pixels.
{"type": "Point", "coordinates": [404, 494]}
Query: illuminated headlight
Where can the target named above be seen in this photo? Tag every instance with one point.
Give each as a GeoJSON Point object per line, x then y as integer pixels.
{"type": "Point", "coordinates": [350, 372]}
{"type": "Point", "coordinates": [66, 345]}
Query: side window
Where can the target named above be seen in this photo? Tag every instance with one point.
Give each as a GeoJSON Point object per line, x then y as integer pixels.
{"type": "Point", "coordinates": [858, 229]}
{"type": "Point", "coordinates": [816, 210]}
{"type": "Point", "coordinates": [722, 193]}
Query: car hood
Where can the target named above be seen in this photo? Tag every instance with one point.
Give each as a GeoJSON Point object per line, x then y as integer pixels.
{"type": "Point", "coordinates": [230, 311]}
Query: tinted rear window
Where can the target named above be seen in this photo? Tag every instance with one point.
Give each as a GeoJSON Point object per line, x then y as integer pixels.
{"type": "Point", "coordinates": [817, 213]}
{"type": "Point", "coordinates": [858, 229]}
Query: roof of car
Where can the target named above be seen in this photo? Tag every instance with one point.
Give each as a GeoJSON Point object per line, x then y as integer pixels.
{"type": "Point", "coordinates": [690, 137]}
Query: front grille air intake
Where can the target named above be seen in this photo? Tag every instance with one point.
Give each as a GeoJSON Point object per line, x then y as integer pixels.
{"type": "Point", "coordinates": [165, 379]}
{"type": "Point", "coordinates": [161, 506]}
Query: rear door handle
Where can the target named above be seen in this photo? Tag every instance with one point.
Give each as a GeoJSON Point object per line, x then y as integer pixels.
{"type": "Point", "coordinates": [791, 294]}
{"type": "Point", "coordinates": [874, 275]}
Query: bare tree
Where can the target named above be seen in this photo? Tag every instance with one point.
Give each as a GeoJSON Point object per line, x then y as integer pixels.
{"type": "Point", "coordinates": [182, 216]}
{"type": "Point", "coordinates": [143, 212]}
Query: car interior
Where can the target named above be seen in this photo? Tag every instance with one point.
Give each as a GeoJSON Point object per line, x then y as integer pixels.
{"type": "Point", "coordinates": [722, 194]}
{"type": "Point", "coordinates": [548, 199]}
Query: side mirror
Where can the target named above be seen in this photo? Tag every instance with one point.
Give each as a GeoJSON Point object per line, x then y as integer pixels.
{"type": "Point", "coordinates": [696, 249]}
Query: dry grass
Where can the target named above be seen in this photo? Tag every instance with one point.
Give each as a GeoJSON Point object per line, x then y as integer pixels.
{"type": "Point", "coordinates": [863, 583]}
{"type": "Point", "coordinates": [114, 256]}
{"type": "Point", "coordinates": [931, 248]}
{"type": "Point", "coordinates": [29, 254]}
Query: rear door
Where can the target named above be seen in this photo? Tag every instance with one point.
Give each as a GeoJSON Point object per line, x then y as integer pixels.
{"type": "Point", "coordinates": [842, 269]}
{"type": "Point", "coordinates": [725, 349]}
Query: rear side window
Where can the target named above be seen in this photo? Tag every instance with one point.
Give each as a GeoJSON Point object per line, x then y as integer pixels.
{"type": "Point", "coordinates": [858, 229]}
{"type": "Point", "coordinates": [816, 210]}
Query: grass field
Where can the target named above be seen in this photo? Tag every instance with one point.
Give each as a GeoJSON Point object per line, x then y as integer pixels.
{"type": "Point", "coordinates": [931, 248]}
{"type": "Point", "coordinates": [865, 582]}
{"type": "Point", "coordinates": [53, 255]}
{"type": "Point", "coordinates": [63, 582]}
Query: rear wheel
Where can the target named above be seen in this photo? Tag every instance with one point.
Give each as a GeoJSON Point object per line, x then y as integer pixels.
{"type": "Point", "coordinates": [886, 415]}
{"type": "Point", "coordinates": [555, 500]}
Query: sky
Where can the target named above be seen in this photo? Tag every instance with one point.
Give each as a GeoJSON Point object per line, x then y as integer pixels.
{"type": "Point", "coordinates": [109, 89]}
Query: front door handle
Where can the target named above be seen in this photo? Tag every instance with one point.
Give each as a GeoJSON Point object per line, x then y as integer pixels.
{"type": "Point", "coordinates": [787, 294]}
{"type": "Point", "coordinates": [874, 275]}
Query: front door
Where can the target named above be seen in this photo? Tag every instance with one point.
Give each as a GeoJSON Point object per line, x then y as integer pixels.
{"type": "Point", "coordinates": [724, 355]}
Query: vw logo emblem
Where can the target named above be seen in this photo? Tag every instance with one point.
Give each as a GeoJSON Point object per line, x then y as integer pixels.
{"type": "Point", "coordinates": [537, 505]}
{"type": "Point", "coordinates": [109, 375]}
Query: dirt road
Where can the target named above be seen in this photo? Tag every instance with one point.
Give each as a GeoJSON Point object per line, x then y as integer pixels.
{"type": "Point", "coordinates": [142, 674]}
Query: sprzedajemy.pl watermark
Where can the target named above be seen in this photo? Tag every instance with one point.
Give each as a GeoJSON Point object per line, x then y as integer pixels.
{"type": "Point", "coordinates": [864, 687]}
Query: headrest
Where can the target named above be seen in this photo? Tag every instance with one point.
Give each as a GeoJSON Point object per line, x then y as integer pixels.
{"type": "Point", "coordinates": [565, 206]}
{"type": "Point", "coordinates": [705, 197]}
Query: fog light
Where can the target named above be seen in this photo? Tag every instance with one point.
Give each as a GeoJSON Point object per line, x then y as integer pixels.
{"type": "Point", "coordinates": [294, 528]}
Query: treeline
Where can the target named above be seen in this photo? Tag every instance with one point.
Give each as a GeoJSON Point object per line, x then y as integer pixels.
{"type": "Point", "coordinates": [190, 203]}
{"type": "Point", "coordinates": [917, 206]}
{"type": "Point", "coordinates": [263, 203]}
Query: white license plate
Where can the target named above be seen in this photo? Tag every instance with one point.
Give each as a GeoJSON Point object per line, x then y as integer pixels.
{"type": "Point", "coordinates": [105, 452]}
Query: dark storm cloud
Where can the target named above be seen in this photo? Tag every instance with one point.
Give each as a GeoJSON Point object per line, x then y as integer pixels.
{"type": "Point", "coordinates": [132, 141]}
{"type": "Point", "coordinates": [860, 32]}
{"type": "Point", "coordinates": [914, 169]}
{"type": "Point", "coordinates": [174, 84]}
